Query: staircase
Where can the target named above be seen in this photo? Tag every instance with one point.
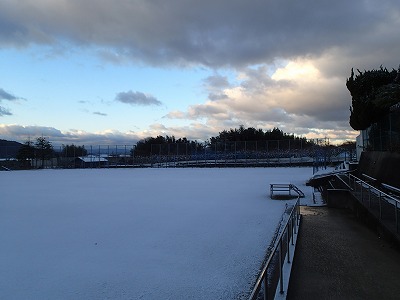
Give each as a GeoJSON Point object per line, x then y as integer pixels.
{"type": "Point", "coordinates": [297, 190]}
{"type": "Point", "coordinates": [281, 189]}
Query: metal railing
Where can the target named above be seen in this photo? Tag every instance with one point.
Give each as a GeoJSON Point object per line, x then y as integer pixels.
{"type": "Point", "coordinates": [272, 272]}
{"type": "Point", "coordinates": [386, 206]}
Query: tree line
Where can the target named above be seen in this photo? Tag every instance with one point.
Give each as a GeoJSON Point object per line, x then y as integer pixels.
{"type": "Point", "coordinates": [252, 134]}
{"type": "Point", "coordinates": [241, 134]}
{"type": "Point", "coordinates": [42, 148]}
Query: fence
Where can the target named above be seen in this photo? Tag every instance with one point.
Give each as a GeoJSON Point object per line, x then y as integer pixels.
{"type": "Point", "coordinates": [228, 154]}
{"type": "Point", "coordinates": [272, 273]}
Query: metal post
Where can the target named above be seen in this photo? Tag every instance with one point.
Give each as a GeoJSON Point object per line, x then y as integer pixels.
{"type": "Point", "coordinates": [91, 157]}
{"type": "Point", "coordinates": [205, 154]}
{"type": "Point", "coordinates": [116, 158]}
{"type": "Point", "coordinates": [235, 155]}
{"type": "Point", "coordinates": [215, 153]}
{"type": "Point", "coordinates": [369, 195]}
{"type": "Point", "coordinates": [298, 215]}
{"type": "Point", "coordinates": [257, 154]}
{"type": "Point", "coordinates": [280, 267]}
{"type": "Point", "coordinates": [380, 206]}
{"type": "Point", "coordinates": [245, 152]}
{"type": "Point", "coordinates": [396, 217]}
{"type": "Point", "coordinates": [133, 155]}
{"type": "Point", "coordinates": [288, 243]}
{"type": "Point", "coordinates": [266, 286]}
{"type": "Point", "coordinates": [292, 229]}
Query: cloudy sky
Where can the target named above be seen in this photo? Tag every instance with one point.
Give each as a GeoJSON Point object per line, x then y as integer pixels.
{"type": "Point", "coordinates": [112, 72]}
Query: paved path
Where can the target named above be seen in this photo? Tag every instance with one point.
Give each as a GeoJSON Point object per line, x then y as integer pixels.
{"type": "Point", "coordinates": [337, 257]}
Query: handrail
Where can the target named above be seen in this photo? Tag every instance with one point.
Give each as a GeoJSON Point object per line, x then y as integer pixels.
{"type": "Point", "coordinates": [392, 188]}
{"type": "Point", "coordinates": [297, 190]}
{"type": "Point", "coordinates": [291, 223]}
{"type": "Point", "coordinates": [345, 183]}
{"type": "Point", "coordinates": [374, 188]}
{"type": "Point", "coordinates": [285, 187]}
{"type": "Point", "coordinates": [382, 198]}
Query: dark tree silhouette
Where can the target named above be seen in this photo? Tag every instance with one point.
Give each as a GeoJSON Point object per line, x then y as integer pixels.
{"type": "Point", "coordinates": [25, 153]}
{"type": "Point", "coordinates": [73, 151]}
{"type": "Point", "coordinates": [372, 92]}
{"type": "Point", "coordinates": [144, 147]}
{"type": "Point", "coordinates": [44, 149]}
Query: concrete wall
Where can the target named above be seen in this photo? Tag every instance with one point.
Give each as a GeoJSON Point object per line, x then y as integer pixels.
{"type": "Point", "coordinates": [383, 166]}
{"type": "Point", "coordinates": [339, 198]}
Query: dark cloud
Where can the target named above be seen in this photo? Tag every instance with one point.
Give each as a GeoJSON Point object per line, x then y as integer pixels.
{"type": "Point", "coordinates": [223, 33]}
{"type": "Point", "coordinates": [217, 96]}
{"type": "Point", "coordinates": [215, 85]}
{"type": "Point", "coordinates": [100, 113]}
{"type": "Point", "coordinates": [216, 81]}
{"type": "Point", "coordinates": [7, 96]}
{"type": "Point", "coordinates": [4, 112]}
{"type": "Point", "coordinates": [137, 98]}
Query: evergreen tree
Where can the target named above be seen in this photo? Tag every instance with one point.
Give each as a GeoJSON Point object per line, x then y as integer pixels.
{"type": "Point", "coordinates": [372, 92]}
{"type": "Point", "coordinates": [26, 152]}
{"type": "Point", "coordinates": [44, 149]}
{"type": "Point", "coordinates": [73, 151]}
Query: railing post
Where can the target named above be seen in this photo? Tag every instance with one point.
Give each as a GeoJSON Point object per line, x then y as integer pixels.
{"type": "Point", "coordinates": [361, 192]}
{"type": "Point", "coordinates": [298, 215]}
{"type": "Point", "coordinates": [292, 228]}
{"type": "Point", "coordinates": [396, 217]}
{"type": "Point", "coordinates": [291, 224]}
{"type": "Point", "coordinates": [288, 245]}
{"type": "Point", "coordinates": [266, 286]}
{"type": "Point", "coordinates": [369, 195]}
{"type": "Point", "coordinates": [280, 267]}
{"type": "Point", "coordinates": [380, 205]}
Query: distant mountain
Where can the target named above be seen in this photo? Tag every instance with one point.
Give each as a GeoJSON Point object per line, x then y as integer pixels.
{"type": "Point", "coordinates": [9, 149]}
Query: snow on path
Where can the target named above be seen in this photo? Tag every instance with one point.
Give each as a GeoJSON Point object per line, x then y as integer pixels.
{"type": "Point", "coordinates": [137, 233]}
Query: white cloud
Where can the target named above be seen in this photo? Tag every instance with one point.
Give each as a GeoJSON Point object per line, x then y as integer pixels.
{"type": "Point", "coordinates": [57, 137]}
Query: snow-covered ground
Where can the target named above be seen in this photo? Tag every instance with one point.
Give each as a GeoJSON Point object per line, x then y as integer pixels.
{"type": "Point", "coordinates": [138, 233]}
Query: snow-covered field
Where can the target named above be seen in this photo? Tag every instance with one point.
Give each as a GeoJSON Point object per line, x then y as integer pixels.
{"type": "Point", "coordinates": [137, 233]}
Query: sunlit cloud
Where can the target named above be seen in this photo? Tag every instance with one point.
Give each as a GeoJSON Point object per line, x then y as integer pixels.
{"type": "Point", "coordinates": [57, 137]}
{"type": "Point", "coordinates": [296, 98]}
